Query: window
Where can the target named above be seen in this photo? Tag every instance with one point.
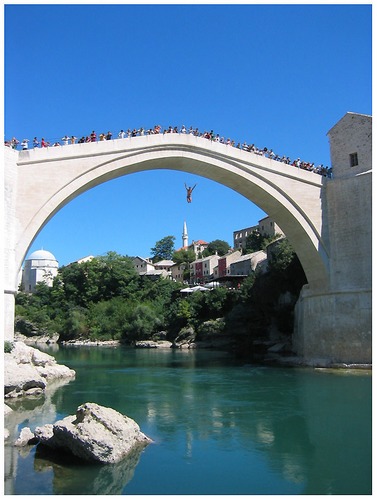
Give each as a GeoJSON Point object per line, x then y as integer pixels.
{"type": "Point", "coordinates": [353, 160]}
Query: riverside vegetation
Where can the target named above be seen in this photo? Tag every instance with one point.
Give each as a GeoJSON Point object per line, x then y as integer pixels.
{"type": "Point", "coordinates": [106, 299]}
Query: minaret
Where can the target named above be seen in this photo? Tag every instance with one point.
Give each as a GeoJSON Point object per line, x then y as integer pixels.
{"type": "Point", "coordinates": [184, 236]}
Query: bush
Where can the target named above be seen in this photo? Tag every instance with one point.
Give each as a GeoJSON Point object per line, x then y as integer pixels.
{"type": "Point", "coordinates": [8, 346]}
{"type": "Point", "coordinates": [25, 327]}
{"type": "Point", "coordinates": [75, 324]}
{"type": "Point", "coordinates": [211, 329]}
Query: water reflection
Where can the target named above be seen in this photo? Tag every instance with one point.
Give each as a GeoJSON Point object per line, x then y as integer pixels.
{"type": "Point", "coordinates": [27, 412]}
{"type": "Point", "coordinates": [71, 477]}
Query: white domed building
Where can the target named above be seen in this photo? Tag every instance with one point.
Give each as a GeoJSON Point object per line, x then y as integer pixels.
{"type": "Point", "coordinates": [41, 265]}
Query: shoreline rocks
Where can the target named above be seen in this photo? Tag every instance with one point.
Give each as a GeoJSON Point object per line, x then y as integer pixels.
{"type": "Point", "coordinates": [28, 371]}
{"type": "Point", "coordinates": [153, 344]}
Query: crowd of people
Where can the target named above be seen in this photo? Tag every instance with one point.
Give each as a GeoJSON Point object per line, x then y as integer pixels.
{"type": "Point", "coordinates": [158, 129]}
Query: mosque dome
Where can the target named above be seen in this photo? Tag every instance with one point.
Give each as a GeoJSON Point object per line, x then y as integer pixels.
{"type": "Point", "coordinates": [41, 255]}
{"type": "Point", "coordinates": [40, 266]}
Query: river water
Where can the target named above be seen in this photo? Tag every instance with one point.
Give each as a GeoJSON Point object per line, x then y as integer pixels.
{"type": "Point", "coordinates": [219, 427]}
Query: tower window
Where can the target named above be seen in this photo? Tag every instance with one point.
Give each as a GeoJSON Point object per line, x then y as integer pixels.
{"type": "Point", "coordinates": [353, 160]}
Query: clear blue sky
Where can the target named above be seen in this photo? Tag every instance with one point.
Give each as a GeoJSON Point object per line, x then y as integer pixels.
{"type": "Point", "coordinates": [278, 76]}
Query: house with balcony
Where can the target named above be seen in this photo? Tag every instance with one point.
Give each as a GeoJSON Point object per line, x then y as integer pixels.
{"type": "Point", "coordinates": [164, 265]}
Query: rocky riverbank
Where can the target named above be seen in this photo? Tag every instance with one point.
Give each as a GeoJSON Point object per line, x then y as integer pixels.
{"type": "Point", "coordinates": [94, 434]}
{"type": "Point", "coordinates": [28, 371]}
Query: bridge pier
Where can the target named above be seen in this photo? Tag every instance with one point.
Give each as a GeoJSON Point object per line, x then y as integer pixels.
{"type": "Point", "coordinates": [334, 327]}
{"type": "Point", "coordinates": [9, 307]}
{"type": "Point", "coordinates": [334, 321]}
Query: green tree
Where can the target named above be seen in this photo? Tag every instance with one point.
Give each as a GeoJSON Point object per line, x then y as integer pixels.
{"type": "Point", "coordinates": [281, 256]}
{"type": "Point", "coordinates": [184, 256]}
{"type": "Point", "coordinates": [180, 313]}
{"type": "Point", "coordinates": [163, 249]}
{"type": "Point", "coordinates": [257, 241]}
{"type": "Point", "coordinates": [108, 319]}
{"type": "Point", "coordinates": [75, 324]}
{"type": "Point", "coordinates": [254, 242]}
{"type": "Point", "coordinates": [219, 246]}
{"type": "Point", "coordinates": [99, 279]}
{"type": "Point", "coordinates": [142, 322]}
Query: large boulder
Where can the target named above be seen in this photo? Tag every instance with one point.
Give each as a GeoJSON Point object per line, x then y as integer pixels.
{"type": "Point", "coordinates": [94, 434]}
{"type": "Point", "coordinates": [20, 380]}
{"type": "Point", "coordinates": [28, 371]}
{"type": "Point", "coordinates": [185, 337]}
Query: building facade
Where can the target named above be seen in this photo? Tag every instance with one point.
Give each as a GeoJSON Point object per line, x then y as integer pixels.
{"type": "Point", "coordinates": [164, 265]}
{"type": "Point", "coordinates": [142, 265]}
{"type": "Point", "coordinates": [247, 264]}
{"type": "Point", "coordinates": [202, 270]}
{"type": "Point", "coordinates": [268, 227]}
{"type": "Point", "coordinates": [223, 267]}
{"type": "Point", "coordinates": [177, 272]}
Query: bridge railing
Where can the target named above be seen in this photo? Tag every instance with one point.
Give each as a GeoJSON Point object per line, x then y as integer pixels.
{"type": "Point", "coordinates": [159, 129]}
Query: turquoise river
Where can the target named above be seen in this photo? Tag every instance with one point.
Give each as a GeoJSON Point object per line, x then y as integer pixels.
{"type": "Point", "coordinates": [219, 427]}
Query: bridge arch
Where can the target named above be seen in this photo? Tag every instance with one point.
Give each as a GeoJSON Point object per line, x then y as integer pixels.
{"type": "Point", "coordinates": [320, 217]}
{"type": "Point", "coordinates": [292, 197]}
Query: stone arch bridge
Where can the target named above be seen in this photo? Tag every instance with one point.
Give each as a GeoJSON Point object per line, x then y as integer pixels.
{"type": "Point", "coordinates": [39, 182]}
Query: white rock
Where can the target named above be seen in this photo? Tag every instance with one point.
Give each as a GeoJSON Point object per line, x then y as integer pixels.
{"type": "Point", "coordinates": [45, 434]}
{"type": "Point", "coordinates": [25, 436]}
{"type": "Point", "coordinates": [95, 434]}
{"type": "Point", "coordinates": [28, 368]}
{"type": "Point", "coordinates": [7, 410]}
{"type": "Point", "coordinates": [20, 377]}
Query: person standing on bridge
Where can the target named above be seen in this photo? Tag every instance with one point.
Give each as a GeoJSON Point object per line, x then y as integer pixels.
{"type": "Point", "coordinates": [189, 192]}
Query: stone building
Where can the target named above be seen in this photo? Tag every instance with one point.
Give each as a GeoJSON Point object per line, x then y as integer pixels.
{"type": "Point", "coordinates": [177, 272]}
{"type": "Point", "coordinates": [247, 264]}
{"type": "Point", "coordinates": [223, 267]}
{"type": "Point", "coordinates": [164, 265]}
{"type": "Point", "coordinates": [201, 270]}
{"type": "Point", "coordinates": [142, 265]}
{"type": "Point", "coordinates": [40, 266]}
{"type": "Point", "coordinates": [266, 226]}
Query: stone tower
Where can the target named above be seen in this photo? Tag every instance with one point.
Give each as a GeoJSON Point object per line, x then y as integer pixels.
{"type": "Point", "coordinates": [185, 236]}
